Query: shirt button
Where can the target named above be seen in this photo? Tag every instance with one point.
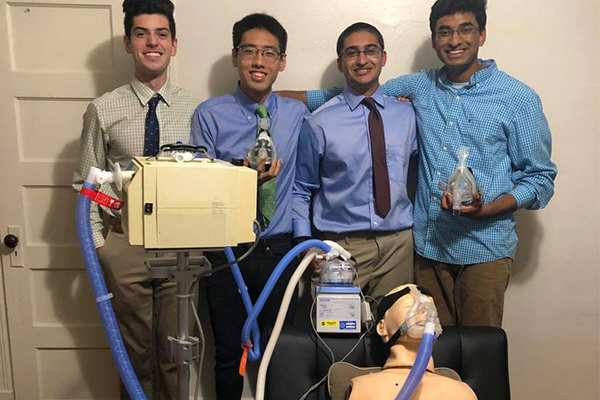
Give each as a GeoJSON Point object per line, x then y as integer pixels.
{"type": "Point", "coordinates": [451, 123]}
{"type": "Point", "coordinates": [457, 97]}
{"type": "Point", "coordinates": [438, 173]}
{"type": "Point", "coordinates": [434, 197]}
{"type": "Point", "coordinates": [445, 148]}
{"type": "Point", "coordinates": [249, 118]}
{"type": "Point", "coordinates": [375, 223]}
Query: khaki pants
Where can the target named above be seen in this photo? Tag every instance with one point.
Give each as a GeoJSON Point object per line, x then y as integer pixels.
{"type": "Point", "coordinates": [466, 294]}
{"type": "Point", "coordinates": [146, 312]}
{"type": "Point", "coordinates": [384, 260]}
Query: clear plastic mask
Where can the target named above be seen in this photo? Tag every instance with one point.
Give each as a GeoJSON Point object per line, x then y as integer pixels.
{"type": "Point", "coordinates": [263, 148]}
{"type": "Point", "coordinates": [421, 311]}
{"type": "Point", "coordinates": [462, 182]}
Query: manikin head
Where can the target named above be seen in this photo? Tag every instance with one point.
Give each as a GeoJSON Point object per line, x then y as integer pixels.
{"type": "Point", "coordinates": [403, 312]}
{"type": "Point", "coordinates": [259, 44]}
{"type": "Point", "coordinates": [361, 57]}
{"type": "Point", "coordinates": [150, 38]}
{"type": "Point", "coordinates": [457, 32]}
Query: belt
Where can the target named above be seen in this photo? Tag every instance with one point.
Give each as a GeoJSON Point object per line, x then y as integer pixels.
{"type": "Point", "coordinates": [357, 235]}
{"type": "Point", "coordinates": [116, 224]}
{"type": "Point", "coordinates": [265, 243]}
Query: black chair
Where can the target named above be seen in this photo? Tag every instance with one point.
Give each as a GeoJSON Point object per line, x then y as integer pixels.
{"type": "Point", "coordinates": [478, 354]}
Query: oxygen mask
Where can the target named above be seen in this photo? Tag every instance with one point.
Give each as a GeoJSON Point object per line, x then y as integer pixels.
{"type": "Point", "coordinates": [421, 312]}
{"type": "Point", "coordinates": [461, 184]}
{"type": "Point", "coordinates": [263, 147]}
{"type": "Point", "coordinates": [418, 315]}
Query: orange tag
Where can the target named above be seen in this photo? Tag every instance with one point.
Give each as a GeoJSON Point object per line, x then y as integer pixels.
{"type": "Point", "coordinates": [102, 199]}
{"type": "Point", "coordinates": [246, 347]}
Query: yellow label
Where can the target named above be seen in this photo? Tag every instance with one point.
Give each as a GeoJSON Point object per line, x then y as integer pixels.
{"type": "Point", "coordinates": [329, 323]}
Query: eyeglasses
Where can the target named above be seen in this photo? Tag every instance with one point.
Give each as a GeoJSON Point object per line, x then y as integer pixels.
{"type": "Point", "coordinates": [447, 33]}
{"type": "Point", "coordinates": [250, 52]}
{"type": "Point", "coordinates": [371, 51]}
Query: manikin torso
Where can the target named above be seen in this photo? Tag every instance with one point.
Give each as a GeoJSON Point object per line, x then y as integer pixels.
{"type": "Point", "coordinates": [386, 384]}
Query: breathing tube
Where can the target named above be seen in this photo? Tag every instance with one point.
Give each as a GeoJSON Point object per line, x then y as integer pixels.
{"type": "Point", "coordinates": [275, 275]}
{"type": "Point", "coordinates": [416, 373]}
{"type": "Point", "coordinates": [252, 349]}
{"type": "Point", "coordinates": [107, 315]}
{"type": "Point", "coordinates": [278, 326]}
{"type": "Point", "coordinates": [254, 352]}
{"type": "Point", "coordinates": [421, 310]}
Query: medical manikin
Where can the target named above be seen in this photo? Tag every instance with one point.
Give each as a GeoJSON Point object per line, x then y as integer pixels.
{"type": "Point", "coordinates": [400, 326]}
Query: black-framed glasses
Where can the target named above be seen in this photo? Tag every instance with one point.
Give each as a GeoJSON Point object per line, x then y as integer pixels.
{"type": "Point", "coordinates": [371, 51]}
{"type": "Point", "coordinates": [447, 33]}
{"type": "Point", "coordinates": [250, 52]}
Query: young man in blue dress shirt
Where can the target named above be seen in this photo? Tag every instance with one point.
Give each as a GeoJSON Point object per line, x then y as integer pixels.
{"type": "Point", "coordinates": [465, 260]}
{"type": "Point", "coordinates": [354, 173]}
{"type": "Point", "coordinates": [227, 126]}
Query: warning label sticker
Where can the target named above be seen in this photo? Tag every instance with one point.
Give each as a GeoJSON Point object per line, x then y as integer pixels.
{"type": "Point", "coordinates": [331, 324]}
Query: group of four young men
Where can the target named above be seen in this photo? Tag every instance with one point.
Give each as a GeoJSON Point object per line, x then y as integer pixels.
{"type": "Point", "coordinates": [341, 170]}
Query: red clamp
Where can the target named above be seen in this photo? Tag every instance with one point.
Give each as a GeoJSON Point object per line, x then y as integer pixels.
{"type": "Point", "coordinates": [102, 199]}
{"type": "Point", "coordinates": [246, 347]}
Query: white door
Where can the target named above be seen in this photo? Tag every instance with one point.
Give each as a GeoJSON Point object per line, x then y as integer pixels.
{"type": "Point", "coordinates": [54, 58]}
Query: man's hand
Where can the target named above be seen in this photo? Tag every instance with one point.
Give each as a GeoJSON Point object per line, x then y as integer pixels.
{"type": "Point", "coordinates": [477, 209]}
{"type": "Point", "coordinates": [264, 176]}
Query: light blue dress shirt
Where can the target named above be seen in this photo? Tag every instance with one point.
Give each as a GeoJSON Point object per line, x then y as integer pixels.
{"type": "Point", "coordinates": [334, 166]}
{"type": "Point", "coordinates": [502, 121]}
{"type": "Point", "coordinates": [226, 125]}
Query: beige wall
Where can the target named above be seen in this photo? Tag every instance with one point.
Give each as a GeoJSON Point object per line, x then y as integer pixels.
{"type": "Point", "coordinates": [553, 46]}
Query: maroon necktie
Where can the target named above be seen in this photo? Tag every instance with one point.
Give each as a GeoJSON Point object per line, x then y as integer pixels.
{"type": "Point", "coordinates": [381, 181]}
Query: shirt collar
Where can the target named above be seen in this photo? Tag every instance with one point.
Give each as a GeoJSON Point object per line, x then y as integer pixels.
{"type": "Point", "coordinates": [354, 99]}
{"type": "Point", "coordinates": [248, 105]}
{"type": "Point", "coordinates": [490, 67]}
{"type": "Point", "coordinates": [144, 93]}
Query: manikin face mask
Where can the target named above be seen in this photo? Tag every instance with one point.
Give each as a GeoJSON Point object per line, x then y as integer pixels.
{"type": "Point", "coordinates": [415, 318]}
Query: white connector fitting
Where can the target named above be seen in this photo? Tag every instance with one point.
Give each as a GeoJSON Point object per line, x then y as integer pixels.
{"type": "Point", "coordinates": [183, 156]}
{"type": "Point", "coordinates": [98, 177]}
{"type": "Point", "coordinates": [336, 251]}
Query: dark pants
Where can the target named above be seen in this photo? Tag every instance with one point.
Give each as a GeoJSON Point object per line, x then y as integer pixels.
{"type": "Point", "coordinates": [227, 312]}
{"type": "Point", "coordinates": [471, 294]}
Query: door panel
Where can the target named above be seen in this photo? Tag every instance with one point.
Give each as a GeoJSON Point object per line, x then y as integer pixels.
{"type": "Point", "coordinates": [54, 59]}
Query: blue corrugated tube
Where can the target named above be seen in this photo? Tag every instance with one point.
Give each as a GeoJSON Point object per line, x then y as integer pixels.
{"type": "Point", "coordinates": [419, 367]}
{"type": "Point", "coordinates": [264, 295]}
{"type": "Point", "coordinates": [107, 315]}
{"type": "Point", "coordinates": [254, 353]}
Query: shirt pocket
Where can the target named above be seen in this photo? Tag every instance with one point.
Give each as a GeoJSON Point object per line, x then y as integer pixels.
{"type": "Point", "coordinates": [395, 157]}
{"type": "Point", "coordinates": [489, 131]}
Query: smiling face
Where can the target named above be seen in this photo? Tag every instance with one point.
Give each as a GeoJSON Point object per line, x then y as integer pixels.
{"type": "Point", "coordinates": [258, 74]}
{"type": "Point", "coordinates": [363, 67]}
{"type": "Point", "coordinates": [458, 51]}
{"type": "Point", "coordinates": [151, 46]}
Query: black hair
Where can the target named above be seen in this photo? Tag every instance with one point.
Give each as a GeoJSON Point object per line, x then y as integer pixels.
{"type": "Point", "coordinates": [133, 8]}
{"type": "Point", "coordinates": [357, 27]}
{"type": "Point", "coordinates": [442, 8]}
{"type": "Point", "coordinates": [260, 21]}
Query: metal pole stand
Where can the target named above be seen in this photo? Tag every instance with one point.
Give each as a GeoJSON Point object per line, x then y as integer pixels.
{"type": "Point", "coordinates": [184, 348]}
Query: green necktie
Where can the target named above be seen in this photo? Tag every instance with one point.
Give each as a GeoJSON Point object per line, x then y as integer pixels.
{"type": "Point", "coordinates": [267, 192]}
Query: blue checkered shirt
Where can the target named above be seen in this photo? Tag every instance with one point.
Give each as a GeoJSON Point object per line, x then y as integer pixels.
{"type": "Point", "coordinates": [502, 122]}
